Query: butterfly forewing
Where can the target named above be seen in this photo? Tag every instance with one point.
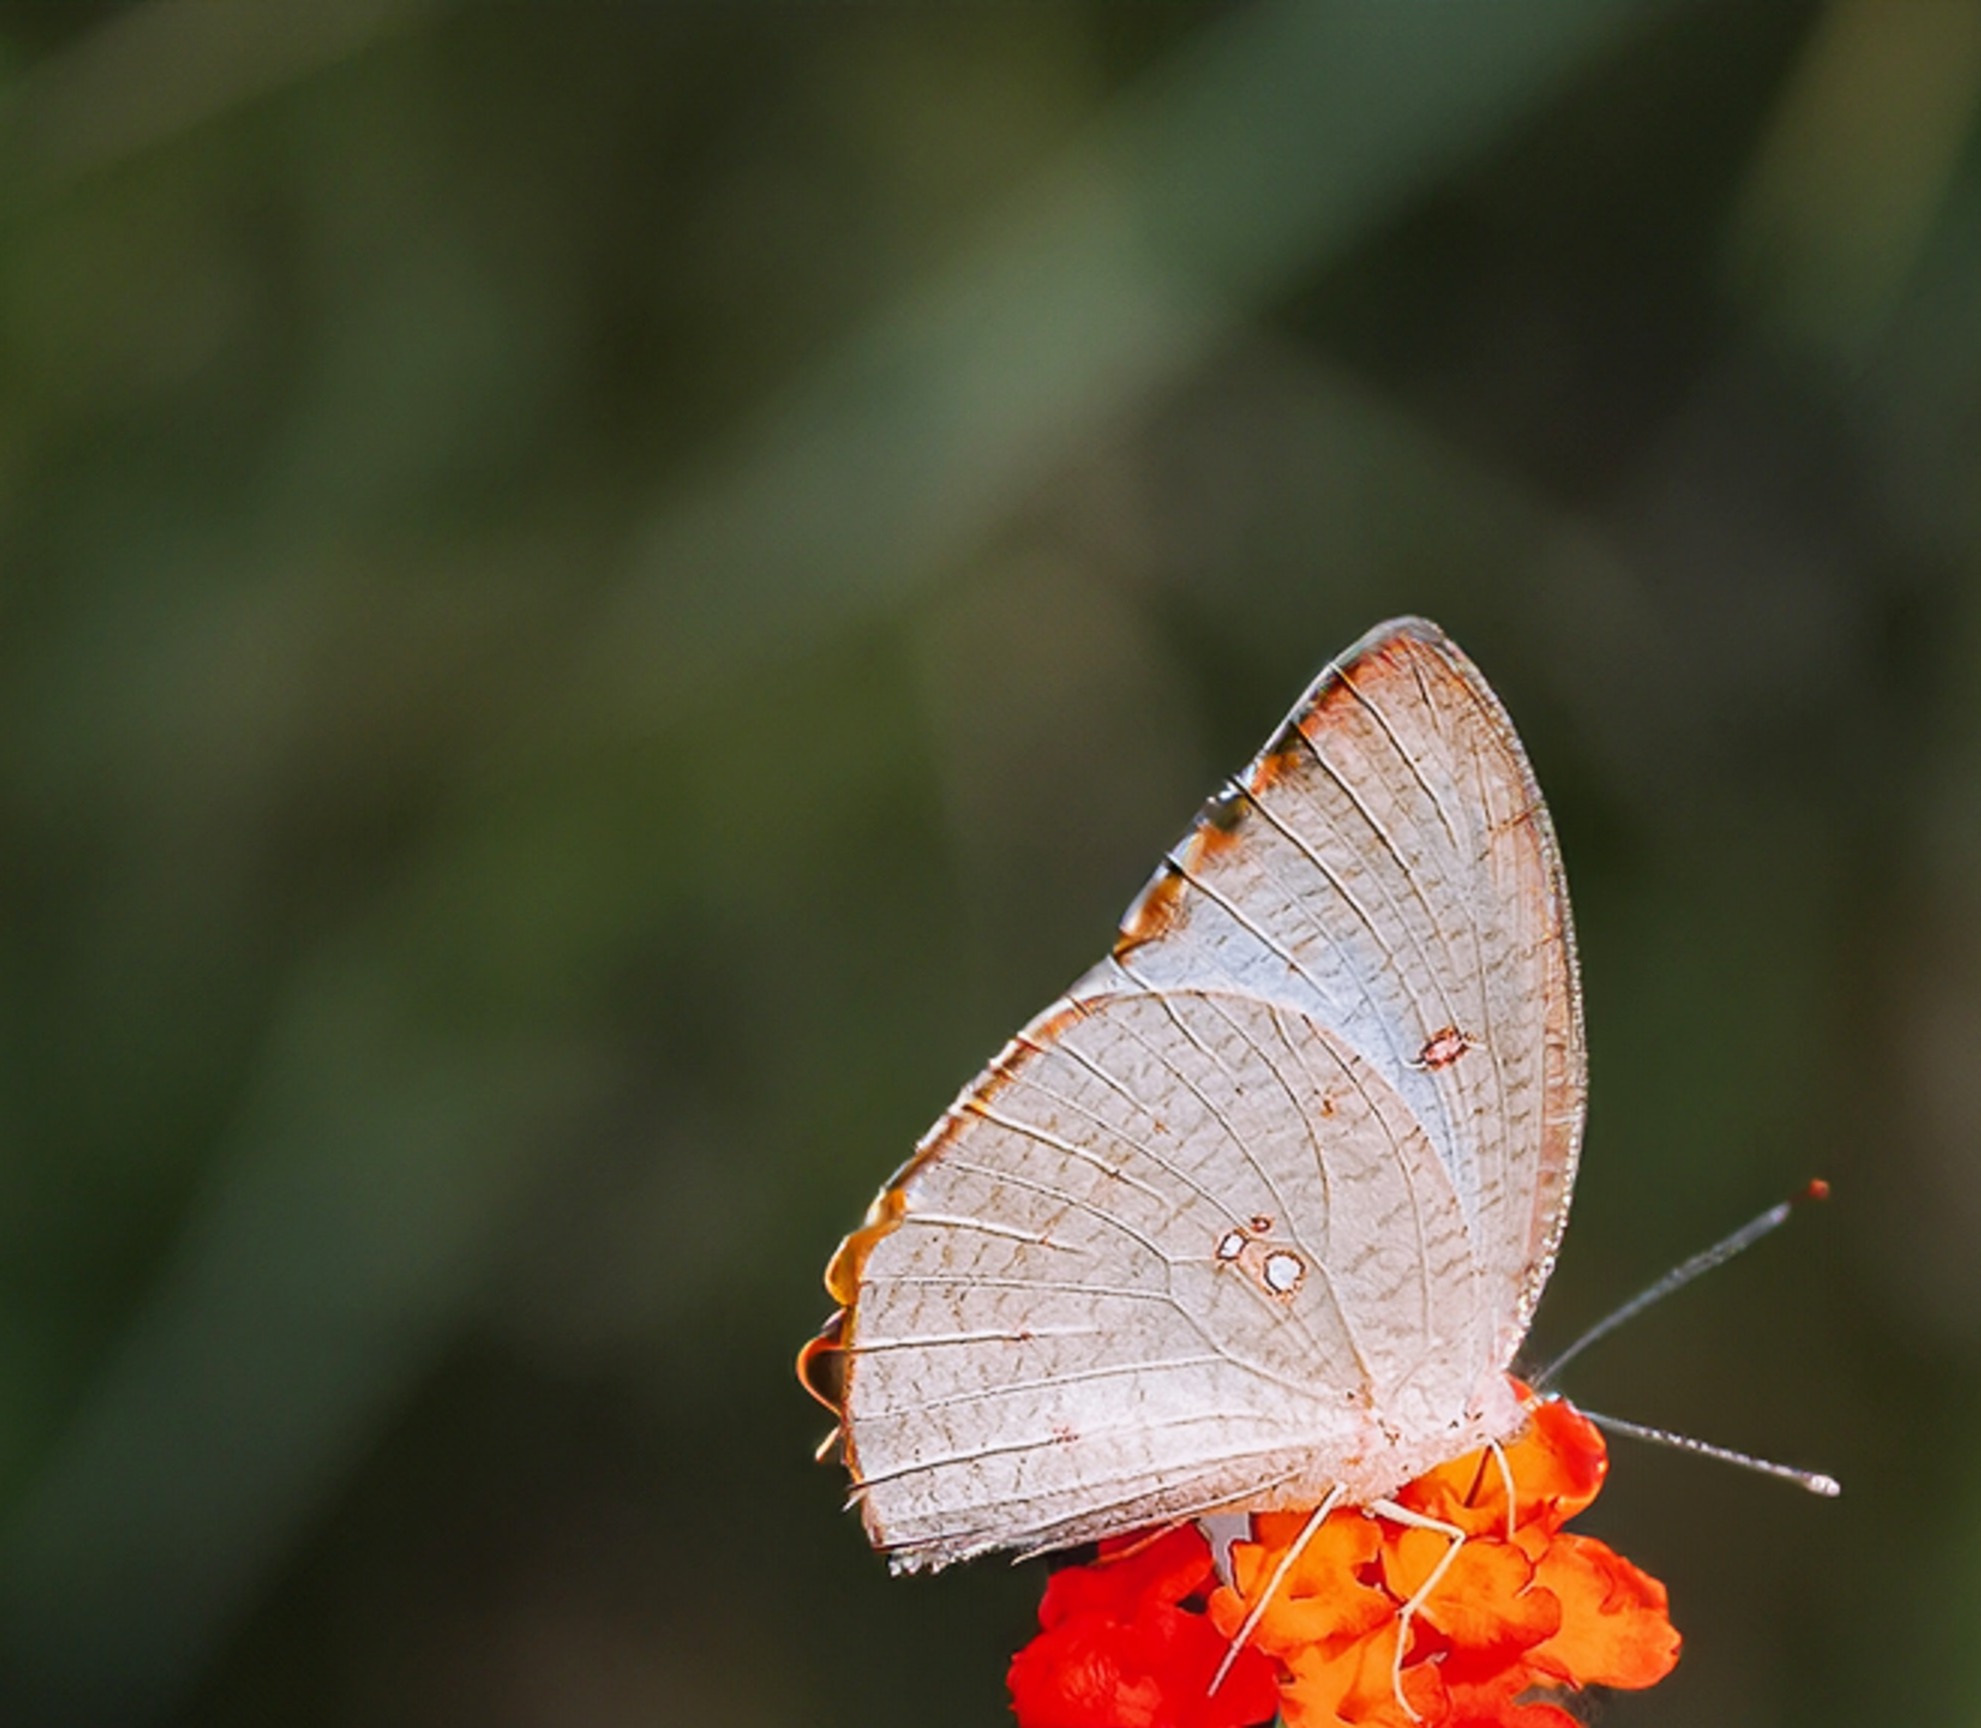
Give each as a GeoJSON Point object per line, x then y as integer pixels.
{"type": "Point", "coordinates": [1264, 1205]}
{"type": "Point", "coordinates": [1387, 864]}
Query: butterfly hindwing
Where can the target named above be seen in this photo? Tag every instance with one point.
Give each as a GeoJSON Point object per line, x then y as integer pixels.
{"type": "Point", "coordinates": [1168, 1258]}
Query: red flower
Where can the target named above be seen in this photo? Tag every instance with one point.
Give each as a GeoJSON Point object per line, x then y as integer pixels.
{"type": "Point", "coordinates": [1523, 1612]}
{"type": "Point", "coordinates": [1120, 1649]}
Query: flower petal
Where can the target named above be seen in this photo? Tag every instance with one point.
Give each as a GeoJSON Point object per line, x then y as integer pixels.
{"type": "Point", "coordinates": [1484, 1604]}
{"type": "Point", "coordinates": [1556, 1463]}
{"type": "Point", "coordinates": [1085, 1673]}
{"type": "Point", "coordinates": [1118, 1651]}
{"type": "Point", "coordinates": [1154, 1672]}
{"type": "Point", "coordinates": [1322, 1598]}
{"type": "Point", "coordinates": [1614, 1628]}
{"type": "Point", "coordinates": [1353, 1686]}
{"type": "Point", "coordinates": [1129, 1574]}
{"type": "Point", "coordinates": [1468, 1491]}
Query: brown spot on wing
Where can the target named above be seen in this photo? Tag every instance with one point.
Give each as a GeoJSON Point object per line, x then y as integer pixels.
{"type": "Point", "coordinates": [1046, 1030]}
{"type": "Point", "coordinates": [1220, 826]}
{"type": "Point", "coordinates": [1159, 908]}
{"type": "Point", "coordinates": [1285, 753]}
{"type": "Point", "coordinates": [1443, 1047]}
{"type": "Point", "coordinates": [1156, 910]}
{"type": "Point", "coordinates": [1224, 810]}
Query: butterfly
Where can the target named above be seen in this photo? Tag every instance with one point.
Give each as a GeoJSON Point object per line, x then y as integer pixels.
{"type": "Point", "coordinates": [1256, 1215]}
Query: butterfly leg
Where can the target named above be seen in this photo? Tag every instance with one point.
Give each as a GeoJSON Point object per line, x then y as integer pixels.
{"type": "Point", "coordinates": [1416, 1521]}
{"type": "Point", "coordinates": [1279, 1572]}
{"type": "Point", "coordinates": [1506, 1481]}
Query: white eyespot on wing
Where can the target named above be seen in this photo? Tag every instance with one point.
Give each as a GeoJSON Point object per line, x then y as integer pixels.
{"type": "Point", "coordinates": [1282, 1272]}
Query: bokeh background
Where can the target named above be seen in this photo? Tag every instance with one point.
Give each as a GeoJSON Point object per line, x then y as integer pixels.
{"type": "Point", "coordinates": [599, 600]}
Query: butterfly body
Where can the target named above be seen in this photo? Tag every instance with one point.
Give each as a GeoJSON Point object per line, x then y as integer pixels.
{"type": "Point", "coordinates": [1259, 1211]}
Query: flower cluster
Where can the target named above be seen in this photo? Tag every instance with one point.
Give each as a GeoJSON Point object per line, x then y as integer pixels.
{"type": "Point", "coordinates": [1523, 1612]}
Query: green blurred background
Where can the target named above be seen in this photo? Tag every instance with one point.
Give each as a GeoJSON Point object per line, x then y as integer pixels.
{"type": "Point", "coordinates": [598, 601]}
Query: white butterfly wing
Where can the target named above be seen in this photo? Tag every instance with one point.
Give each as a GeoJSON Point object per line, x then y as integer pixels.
{"type": "Point", "coordinates": [1264, 1205]}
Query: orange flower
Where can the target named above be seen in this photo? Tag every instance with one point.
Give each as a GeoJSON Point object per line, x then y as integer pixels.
{"type": "Point", "coordinates": [1522, 1610]}
{"type": "Point", "coordinates": [1521, 1613]}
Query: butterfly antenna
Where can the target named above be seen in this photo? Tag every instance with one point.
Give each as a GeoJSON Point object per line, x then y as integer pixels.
{"type": "Point", "coordinates": [1813, 1480]}
{"type": "Point", "coordinates": [1681, 1275]}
